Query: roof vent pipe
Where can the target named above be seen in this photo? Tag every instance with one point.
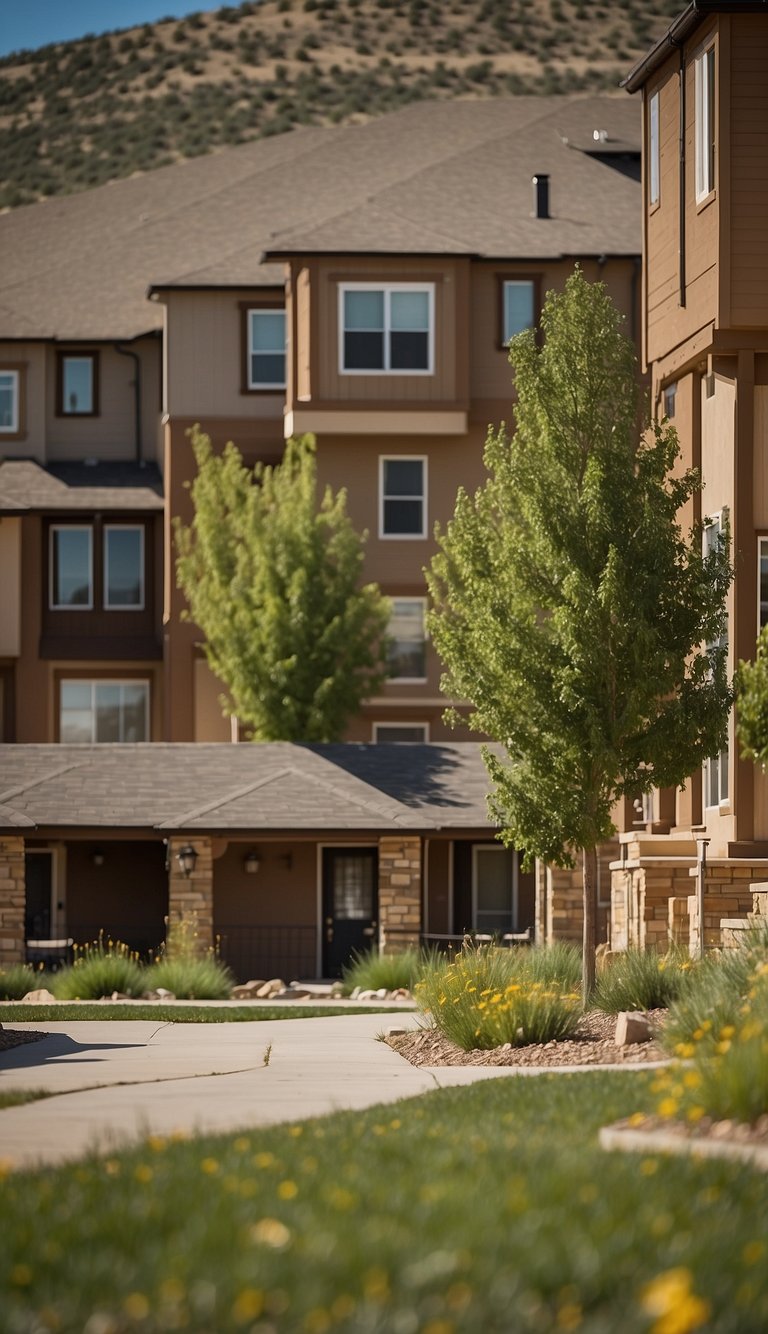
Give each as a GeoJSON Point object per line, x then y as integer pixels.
{"type": "Point", "coordinates": [540, 196]}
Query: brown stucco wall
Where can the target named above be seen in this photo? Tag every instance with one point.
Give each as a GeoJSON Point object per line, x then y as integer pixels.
{"type": "Point", "coordinates": [126, 896]}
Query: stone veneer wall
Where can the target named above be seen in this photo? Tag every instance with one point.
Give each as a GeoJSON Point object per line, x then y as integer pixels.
{"type": "Point", "coordinates": [191, 896]}
{"type": "Point", "coordinates": [13, 898]}
{"type": "Point", "coordinates": [642, 892]}
{"type": "Point", "coordinates": [399, 892]}
{"type": "Point", "coordinates": [728, 893]}
{"type": "Point", "coordinates": [559, 899]}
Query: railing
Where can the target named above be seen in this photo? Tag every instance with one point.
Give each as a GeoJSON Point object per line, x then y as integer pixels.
{"type": "Point", "coordinates": [288, 952]}
{"type": "Point", "coordinates": [140, 938]}
{"type": "Point", "coordinates": [448, 943]}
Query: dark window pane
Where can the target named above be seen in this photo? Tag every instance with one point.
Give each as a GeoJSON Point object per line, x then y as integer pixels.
{"type": "Point", "coordinates": [352, 887]}
{"type": "Point", "coordinates": [409, 351]}
{"type": "Point", "coordinates": [403, 516]}
{"type": "Point", "coordinates": [77, 385]}
{"type": "Point", "coordinates": [71, 567]}
{"type": "Point", "coordinates": [413, 734]}
{"type": "Point", "coordinates": [363, 351]}
{"type": "Point", "coordinates": [123, 574]}
{"type": "Point", "coordinates": [403, 477]}
{"type": "Point", "coordinates": [268, 368]}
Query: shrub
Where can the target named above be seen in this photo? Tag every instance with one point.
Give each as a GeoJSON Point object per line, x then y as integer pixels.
{"type": "Point", "coordinates": [713, 993]}
{"type": "Point", "coordinates": [17, 980]}
{"type": "Point", "coordinates": [372, 970]}
{"type": "Point", "coordinates": [640, 980]}
{"type": "Point", "coordinates": [100, 968]}
{"type": "Point", "coordinates": [559, 963]}
{"type": "Point", "coordinates": [191, 978]}
{"type": "Point", "coordinates": [485, 997]}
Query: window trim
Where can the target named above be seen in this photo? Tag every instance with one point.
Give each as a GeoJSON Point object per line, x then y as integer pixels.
{"type": "Point", "coordinates": [387, 288]}
{"type": "Point", "coordinates": [117, 606]}
{"type": "Point", "coordinates": [18, 369]}
{"type": "Point", "coordinates": [705, 159]}
{"type": "Point", "coordinates": [501, 281]}
{"type": "Point", "coordinates": [76, 354]}
{"type": "Point", "coordinates": [86, 678]}
{"type": "Point", "coordinates": [407, 458]}
{"type": "Point", "coordinates": [70, 606]}
{"type": "Point", "coordinates": [264, 386]}
{"type": "Point", "coordinates": [269, 301]}
{"type": "Point", "coordinates": [762, 540]}
{"type": "Point", "coordinates": [654, 149]}
{"type": "Point", "coordinates": [412, 680]}
{"type": "Point", "coordinates": [13, 429]}
{"type": "Point", "coordinates": [376, 728]}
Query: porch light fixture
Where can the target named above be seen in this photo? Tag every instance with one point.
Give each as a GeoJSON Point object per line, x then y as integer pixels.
{"type": "Point", "coordinates": [98, 857]}
{"type": "Point", "coordinates": [186, 857]}
{"type": "Point", "coordinates": [251, 862]}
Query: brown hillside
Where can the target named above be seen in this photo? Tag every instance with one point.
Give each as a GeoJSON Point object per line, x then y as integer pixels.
{"type": "Point", "coordinates": [77, 114]}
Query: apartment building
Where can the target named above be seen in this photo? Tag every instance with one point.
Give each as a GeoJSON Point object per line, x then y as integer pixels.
{"type": "Point", "coordinates": [705, 344]}
{"type": "Point", "coordinates": [359, 283]}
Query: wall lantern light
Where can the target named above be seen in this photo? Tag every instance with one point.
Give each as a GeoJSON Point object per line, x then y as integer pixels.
{"type": "Point", "coordinates": [186, 857]}
{"type": "Point", "coordinates": [98, 857]}
{"type": "Point", "coordinates": [251, 862]}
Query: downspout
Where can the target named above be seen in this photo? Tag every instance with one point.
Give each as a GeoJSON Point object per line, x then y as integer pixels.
{"type": "Point", "coordinates": [127, 352]}
{"type": "Point", "coordinates": [681, 181]}
{"type": "Point", "coordinates": [637, 268]}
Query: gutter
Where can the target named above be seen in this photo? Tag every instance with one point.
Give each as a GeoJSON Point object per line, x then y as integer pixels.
{"type": "Point", "coordinates": [679, 32]}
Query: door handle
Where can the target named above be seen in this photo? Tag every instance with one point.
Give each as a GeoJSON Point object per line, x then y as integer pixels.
{"type": "Point", "coordinates": [329, 933]}
{"type": "Point", "coordinates": [368, 930]}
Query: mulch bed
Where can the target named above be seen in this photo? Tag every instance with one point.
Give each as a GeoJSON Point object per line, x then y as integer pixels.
{"type": "Point", "coordinates": [15, 1037]}
{"type": "Point", "coordinates": [592, 1044]}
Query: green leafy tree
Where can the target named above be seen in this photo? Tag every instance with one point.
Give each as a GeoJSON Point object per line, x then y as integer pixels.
{"type": "Point", "coordinates": [570, 609]}
{"type": "Point", "coordinates": [752, 698]}
{"type": "Point", "coordinates": [272, 578]}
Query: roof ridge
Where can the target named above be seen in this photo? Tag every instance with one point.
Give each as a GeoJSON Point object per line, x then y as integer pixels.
{"type": "Point", "coordinates": [346, 796]}
{"type": "Point", "coordinates": [25, 787]}
{"type": "Point", "coordinates": [22, 821]}
{"type": "Point", "coordinates": [196, 812]}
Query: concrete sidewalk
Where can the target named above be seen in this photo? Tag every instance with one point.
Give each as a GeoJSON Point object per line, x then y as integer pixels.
{"type": "Point", "coordinates": [117, 1082]}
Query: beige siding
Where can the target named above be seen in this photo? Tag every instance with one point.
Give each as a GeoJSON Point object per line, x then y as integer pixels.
{"type": "Point", "coordinates": [205, 358]}
{"type": "Point", "coordinates": [30, 358]}
{"type": "Point", "coordinates": [749, 170]}
{"type": "Point", "coordinates": [10, 588]}
{"type": "Point", "coordinates": [302, 346]}
{"type": "Point", "coordinates": [760, 461]}
{"type": "Point", "coordinates": [110, 435]}
{"type": "Point", "coordinates": [211, 723]}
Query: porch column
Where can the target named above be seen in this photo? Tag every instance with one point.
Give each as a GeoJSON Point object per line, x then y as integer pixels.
{"type": "Point", "coordinates": [13, 897]}
{"type": "Point", "coordinates": [190, 897]}
{"type": "Point", "coordinates": [399, 892]}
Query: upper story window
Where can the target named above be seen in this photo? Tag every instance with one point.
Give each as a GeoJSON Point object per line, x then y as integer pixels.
{"type": "Point", "coordinates": [71, 567]}
{"type": "Point", "coordinates": [103, 711]}
{"type": "Point", "coordinates": [762, 572]}
{"type": "Point", "coordinates": [266, 348]}
{"type": "Point", "coordinates": [517, 307]}
{"type": "Point", "coordinates": [403, 497]}
{"type": "Point", "coordinates": [407, 640]}
{"type": "Point", "coordinates": [670, 399]}
{"type": "Point", "coordinates": [705, 123]}
{"type": "Point", "coordinates": [653, 149]}
{"type": "Point", "coordinates": [411, 734]}
{"type": "Point", "coordinates": [124, 566]}
{"type": "Point", "coordinates": [9, 402]}
{"type": "Point", "coordinates": [386, 329]}
{"type": "Point", "coordinates": [77, 384]}
{"type": "Point", "coordinates": [117, 584]}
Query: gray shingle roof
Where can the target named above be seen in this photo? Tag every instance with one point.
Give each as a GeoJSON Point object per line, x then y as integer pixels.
{"type": "Point", "coordinates": [446, 177]}
{"type": "Point", "coordinates": [272, 786]}
{"type": "Point", "coordinates": [25, 486]}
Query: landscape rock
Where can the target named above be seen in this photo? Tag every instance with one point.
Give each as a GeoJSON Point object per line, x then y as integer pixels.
{"type": "Point", "coordinates": [401, 993]}
{"type": "Point", "coordinates": [355, 993]}
{"type": "Point", "coordinates": [271, 988]}
{"type": "Point", "coordinates": [160, 994]}
{"type": "Point", "coordinates": [119, 995]}
{"type": "Point", "coordinates": [40, 996]}
{"type": "Point", "coordinates": [394, 1032]}
{"type": "Point", "coordinates": [366, 995]}
{"type": "Point", "coordinates": [381, 993]}
{"type": "Point", "coordinates": [632, 1026]}
{"type": "Point", "coordinates": [248, 990]}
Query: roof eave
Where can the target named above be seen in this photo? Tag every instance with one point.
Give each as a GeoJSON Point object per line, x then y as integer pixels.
{"type": "Point", "coordinates": [679, 31]}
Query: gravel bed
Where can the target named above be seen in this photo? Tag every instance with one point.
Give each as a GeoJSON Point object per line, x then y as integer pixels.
{"type": "Point", "coordinates": [15, 1037]}
{"type": "Point", "coordinates": [592, 1044]}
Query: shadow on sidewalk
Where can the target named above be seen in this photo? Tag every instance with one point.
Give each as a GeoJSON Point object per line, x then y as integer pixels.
{"type": "Point", "coordinates": [54, 1047]}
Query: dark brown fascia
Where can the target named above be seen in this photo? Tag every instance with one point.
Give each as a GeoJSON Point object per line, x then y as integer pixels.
{"type": "Point", "coordinates": [678, 33]}
{"type": "Point", "coordinates": [271, 256]}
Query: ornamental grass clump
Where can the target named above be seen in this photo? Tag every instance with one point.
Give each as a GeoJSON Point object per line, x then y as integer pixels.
{"type": "Point", "coordinates": [371, 971]}
{"type": "Point", "coordinates": [205, 978]}
{"type": "Point", "coordinates": [100, 968]}
{"type": "Point", "coordinates": [485, 998]}
{"type": "Point", "coordinates": [641, 980]}
{"type": "Point", "coordinates": [17, 980]}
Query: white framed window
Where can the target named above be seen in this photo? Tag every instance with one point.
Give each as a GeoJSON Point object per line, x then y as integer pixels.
{"type": "Point", "coordinates": [402, 496]}
{"type": "Point", "coordinates": [704, 113]}
{"type": "Point", "coordinates": [266, 348]}
{"type": "Point", "coordinates": [653, 150]}
{"type": "Point", "coordinates": [407, 649]}
{"type": "Point", "coordinates": [386, 329]}
{"type": "Point", "coordinates": [494, 888]}
{"type": "Point", "coordinates": [102, 711]}
{"type": "Point", "coordinates": [517, 306]}
{"type": "Point", "coordinates": [670, 399]}
{"type": "Point", "coordinates": [412, 734]}
{"type": "Point", "coordinates": [124, 567]}
{"type": "Point", "coordinates": [762, 583]}
{"type": "Point", "coordinates": [716, 767]}
{"type": "Point", "coordinates": [9, 402]}
{"type": "Point", "coordinates": [71, 567]}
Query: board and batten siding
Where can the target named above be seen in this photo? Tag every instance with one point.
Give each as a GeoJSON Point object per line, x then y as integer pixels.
{"type": "Point", "coordinates": [749, 171]}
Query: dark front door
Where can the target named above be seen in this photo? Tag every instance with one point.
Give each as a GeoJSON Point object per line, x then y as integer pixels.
{"type": "Point", "coordinates": [39, 876]}
{"type": "Point", "coordinates": [350, 905]}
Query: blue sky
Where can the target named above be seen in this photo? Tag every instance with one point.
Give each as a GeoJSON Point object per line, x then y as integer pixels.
{"type": "Point", "coordinates": [25, 24]}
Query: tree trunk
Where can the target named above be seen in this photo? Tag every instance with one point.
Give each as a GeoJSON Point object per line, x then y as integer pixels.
{"type": "Point", "coordinates": [589, 883]}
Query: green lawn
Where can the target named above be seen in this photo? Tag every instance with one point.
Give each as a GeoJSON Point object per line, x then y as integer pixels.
{"type": "Point", "coordinates": [485, 1210]}
{"type": "Point", "coordinates": [15, 1097]}
{"type": "Point", "coordinates": [180, 1014]}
